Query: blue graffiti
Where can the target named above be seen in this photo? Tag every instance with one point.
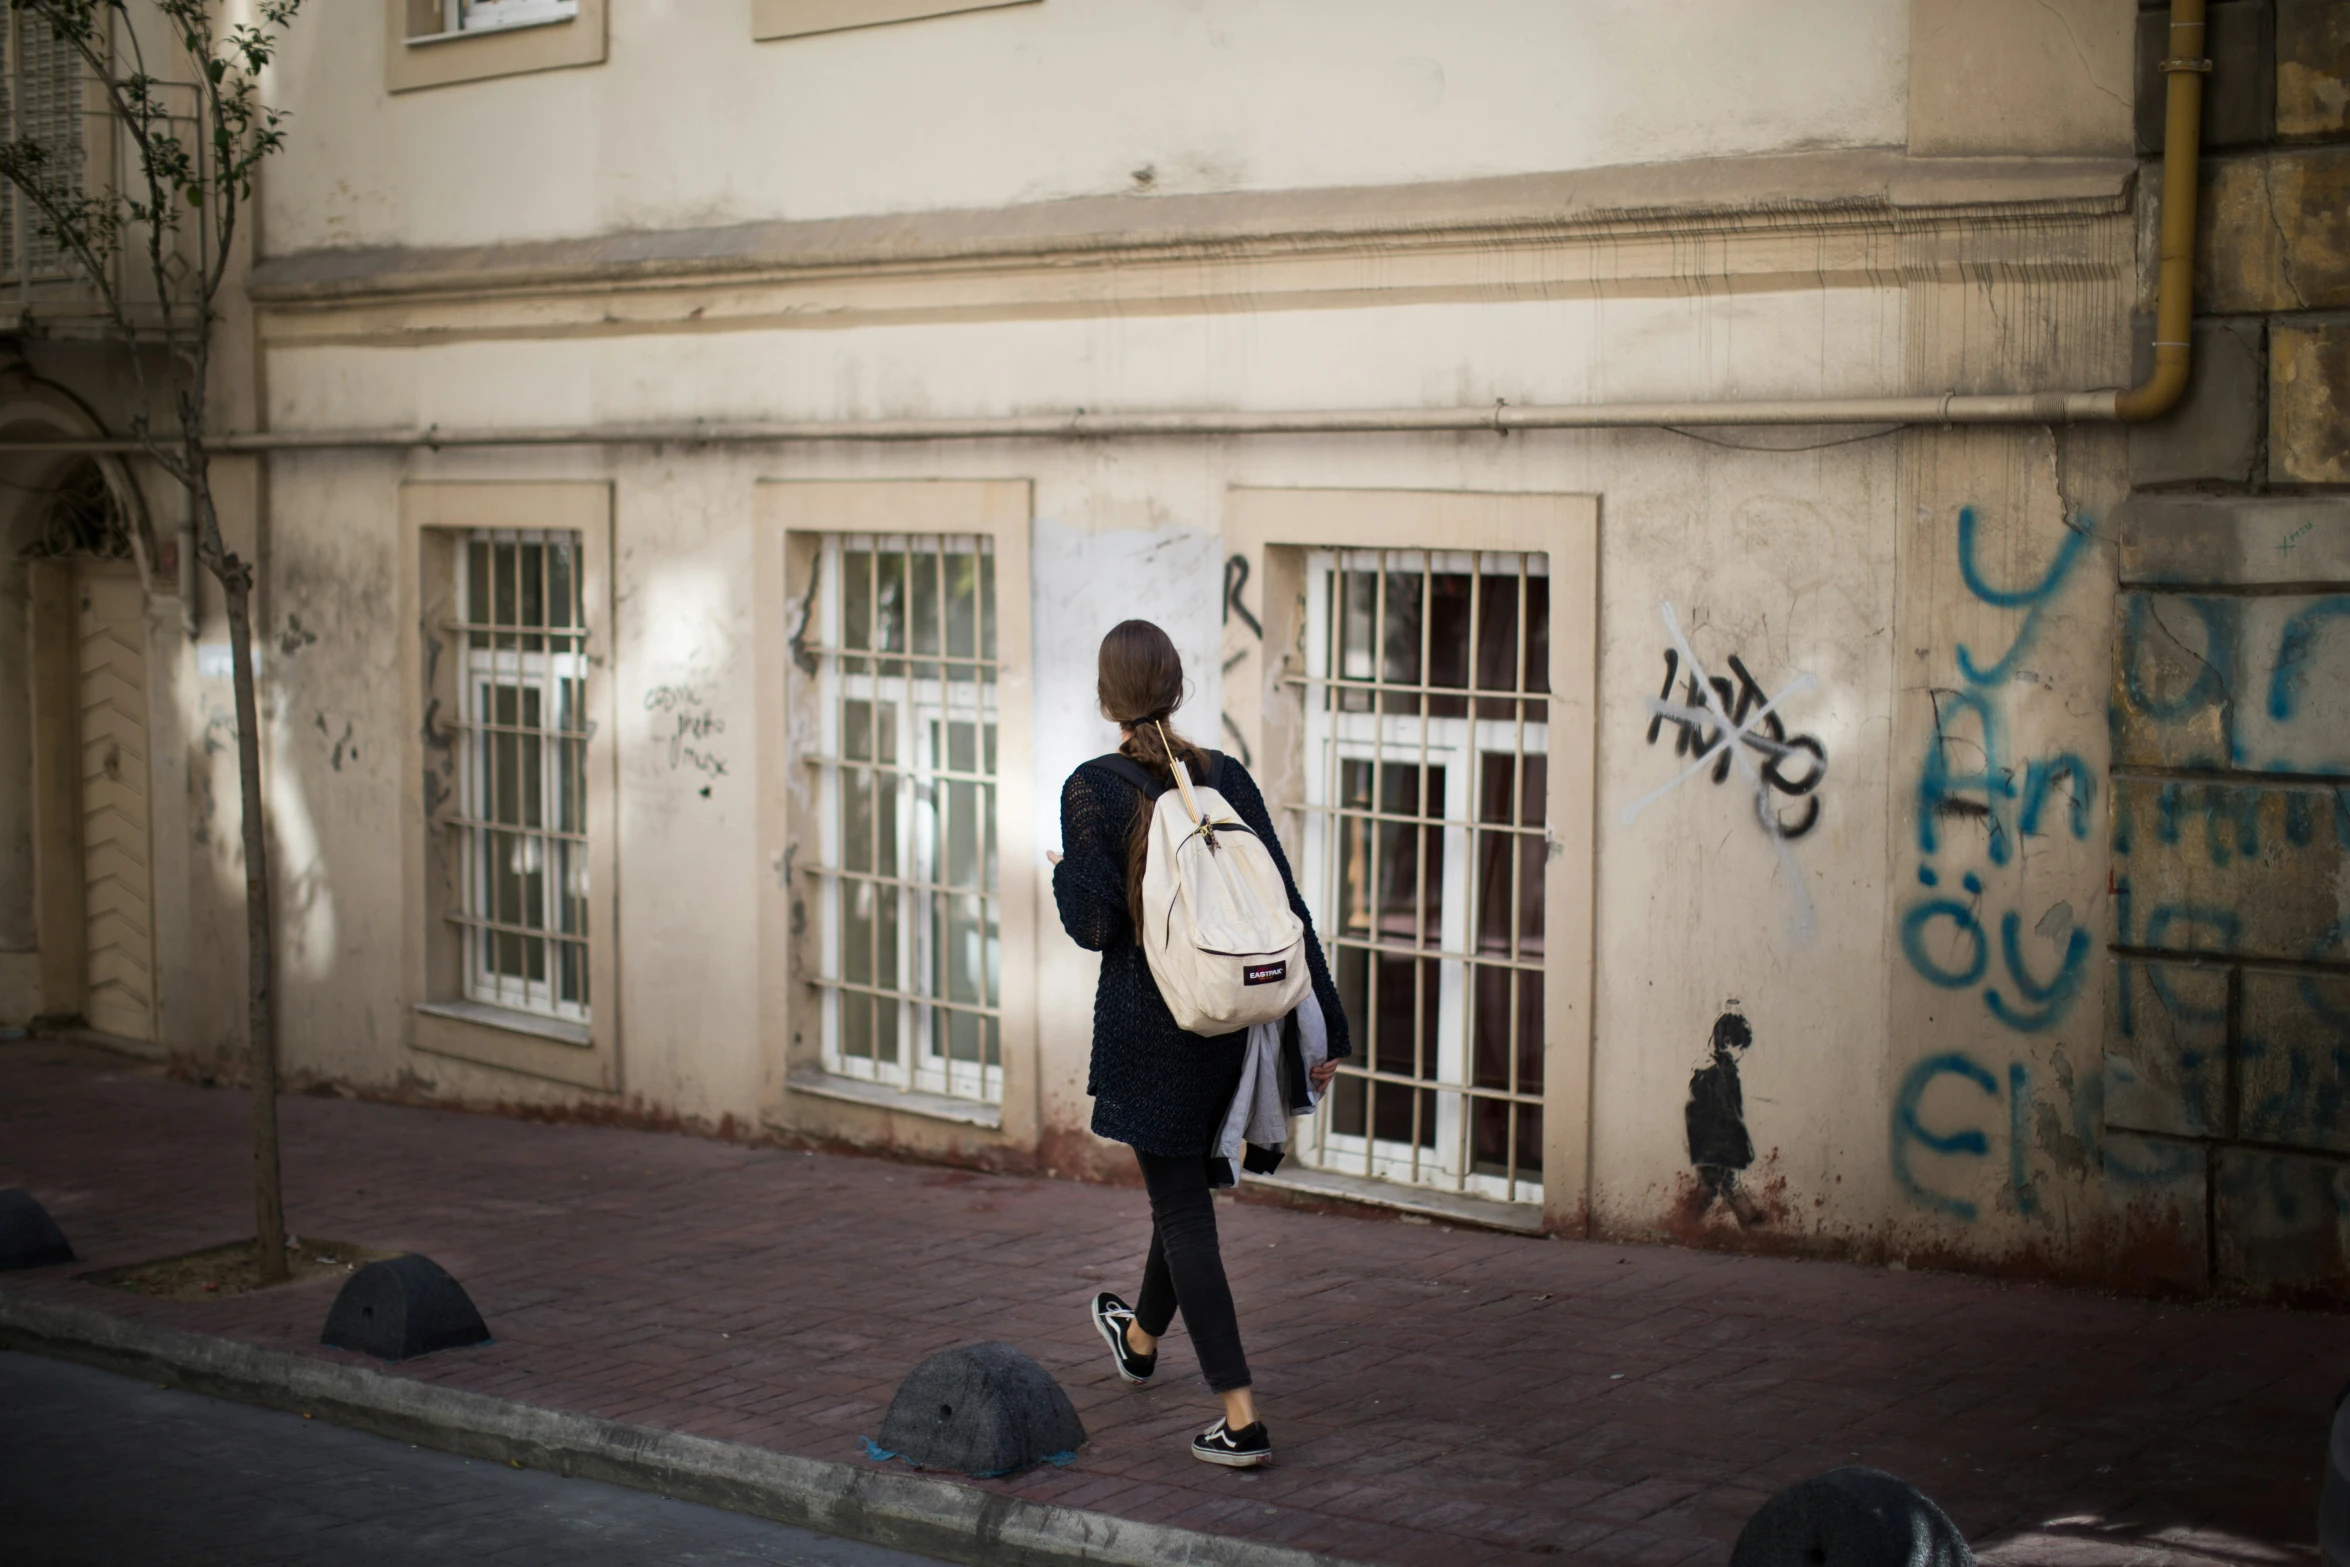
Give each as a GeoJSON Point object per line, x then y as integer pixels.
{"type": "Point", "coordinates": [2194, 1077]}
{"type": "Point", "coordinates": [1907, 1129]}
{"type": "Point", "coordinates": [2019, 1103]}
{"type": "Point", "coordinates": [2159, 928]}
{"type": "Point", "coordinates": [2039, 1004]}
{"type": "Point", "coordinates": [2124, 908]}
{"type": "Point", "coordinates": [2041, 777]}
{"type": "Point", "coordinates": [1943, 792]}
{"type": "Point", "coordinates": [1910, 1132]}
{"type": "Point", "coordinates": [1961, 916]}
{"type": "Point", "coordinates": [2055, 997]}
{"type": "Point", "coordinates": [2031, 600]}
{"type": "Point", "coordinates": [1984, 788]}
{"type": "Point", "coordinates": [2170, 916]}
{"type": "Point", "coordinates": [2294, 651]}
{"type": "Point", "coordinates": [2313, 993]}
{"type": "Point", "coordinates": [2305, 1109]}
{"type": "Point", "coordinates": [2176, 1159]}
{"type": "Point", "coordinates": [2214, 687]}
{"type": "Point", "coordinates": [2221, 670]}
{"type": "Point", "coordinates": [2231, 816]}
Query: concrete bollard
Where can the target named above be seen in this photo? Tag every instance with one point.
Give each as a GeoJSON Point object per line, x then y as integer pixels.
{"type": "Point", "coordinates": [29, 1238]}
{"type": "Point", "coordinates": [401, 1308]}
{"type": "Point", "coordinates": [984, 1409]}
{"type": "Point", "coordinates": [1851, 1517]}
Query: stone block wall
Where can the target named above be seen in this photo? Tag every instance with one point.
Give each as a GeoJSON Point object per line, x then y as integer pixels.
{"type": "Point", "coordinates": [2227, 1062]}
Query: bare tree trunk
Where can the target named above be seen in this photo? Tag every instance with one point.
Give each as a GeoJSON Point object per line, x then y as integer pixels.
{"type": "Point", "coordinates": [269, 1207]}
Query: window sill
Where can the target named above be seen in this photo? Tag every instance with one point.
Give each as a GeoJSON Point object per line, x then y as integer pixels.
{"type": "Point", "coordinates": [482, 1014]}
{"type": "Point", "coordinates": [424, 40]}
{"type": "Point", "coordinates": [1520, 1218]}
{"type": "Point", "coordinates": [903, 1101]}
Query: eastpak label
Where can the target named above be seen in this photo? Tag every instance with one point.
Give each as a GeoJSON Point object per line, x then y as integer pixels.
{"type": "Point", "coordinates": [1265, 973]}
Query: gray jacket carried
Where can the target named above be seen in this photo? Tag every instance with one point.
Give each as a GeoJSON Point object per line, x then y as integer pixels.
{"type": "Point", "coordinates": [1276, 1082]}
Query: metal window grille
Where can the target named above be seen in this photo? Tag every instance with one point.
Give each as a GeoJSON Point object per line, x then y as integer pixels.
{"type": "Point", "coordinates": [1427, 773]}
{"type": "Point", "coordinates": [910, 946]}
{"type": "Point", "coordinates": [42, 90]}
{"type": "Point", "coordinates": [522, 808]}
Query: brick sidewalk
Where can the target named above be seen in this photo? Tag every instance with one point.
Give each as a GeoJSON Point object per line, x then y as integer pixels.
{"type": "Point", "coordinates": [1439, 1396]}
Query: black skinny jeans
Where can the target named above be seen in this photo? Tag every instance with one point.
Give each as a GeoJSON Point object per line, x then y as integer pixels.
{"type": "Point", "coordinates": [1186, 1269]}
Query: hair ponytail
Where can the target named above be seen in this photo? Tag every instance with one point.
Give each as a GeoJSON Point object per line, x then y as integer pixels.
{"type": "Point", "coordinates": [1140, 684]}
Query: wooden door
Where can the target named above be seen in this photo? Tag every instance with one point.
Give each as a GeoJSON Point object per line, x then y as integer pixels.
{"type": "Point", "coordinates": [117, 889]}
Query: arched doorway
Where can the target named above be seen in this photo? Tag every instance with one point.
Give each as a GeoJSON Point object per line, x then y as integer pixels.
{"type": "Point", "coordinates": [76, 832]}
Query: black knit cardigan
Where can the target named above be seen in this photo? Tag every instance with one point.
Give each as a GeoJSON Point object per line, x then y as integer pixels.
{"type": "Point", "coordinates": [1154, 1086]}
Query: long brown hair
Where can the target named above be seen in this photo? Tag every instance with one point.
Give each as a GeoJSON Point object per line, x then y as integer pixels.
{"type": "Point", "coordinates": [1140, 684]}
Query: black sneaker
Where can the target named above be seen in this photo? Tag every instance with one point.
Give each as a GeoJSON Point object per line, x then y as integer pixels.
{"type": "Point", "coordinates": [1242, 1449]}
{"type": "Point", "coordinates": [1110, 1316]}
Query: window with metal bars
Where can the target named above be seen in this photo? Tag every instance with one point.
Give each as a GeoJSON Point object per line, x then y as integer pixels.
{"type": "Point", "coordinates": [1426, 771]}
{"type": "Point", "coordinates": [41, 93]}
{"type": "Point", "coordinates": [910, 944]}
{"type": "Point", "coordinates": [522, 805]}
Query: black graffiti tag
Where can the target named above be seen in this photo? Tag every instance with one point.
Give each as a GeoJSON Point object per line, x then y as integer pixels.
{"type": "Point", "coordinates": [1738, 698]}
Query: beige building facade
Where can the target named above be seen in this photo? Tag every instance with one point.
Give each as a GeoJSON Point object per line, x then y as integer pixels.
{"type": "Point", "coordinates": [1762, 836]}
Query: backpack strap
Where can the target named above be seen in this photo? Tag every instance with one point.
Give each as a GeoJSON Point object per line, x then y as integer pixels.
{"type": "Point", "coordinates": [1142, 778]}
{"type": "Point", "coordinates": [1133, 772]}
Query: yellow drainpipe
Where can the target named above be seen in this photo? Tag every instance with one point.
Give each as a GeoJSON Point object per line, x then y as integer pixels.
{"type": "Point", "coordinates": [2183, 69]}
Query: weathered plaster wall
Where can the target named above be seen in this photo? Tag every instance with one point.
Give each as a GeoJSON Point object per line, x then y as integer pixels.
{"type": "Point", "coordinates": [1907, 911]}
{"type": "Point", "coordinates": [1073, 97]}
{"type": "Point", "coordinates": [2225, 1067]}
{"type": "Point", "coordinates": [1791, 560]}
{"type": "Point", "coordinates": [1998, 898]}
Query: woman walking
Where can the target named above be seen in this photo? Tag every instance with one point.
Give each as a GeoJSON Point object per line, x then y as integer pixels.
{"type": "Point", "coordinates": [1156, 1088]}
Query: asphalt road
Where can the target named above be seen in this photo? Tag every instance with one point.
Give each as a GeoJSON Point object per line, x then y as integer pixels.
{"type": "Point", "coordinates": [100, 1469]}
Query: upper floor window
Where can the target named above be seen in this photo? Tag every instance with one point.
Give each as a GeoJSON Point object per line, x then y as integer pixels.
{"type": "Point", "coordinates": [477, 16]}
{"type": "Point", "coordinates": [41, 91]}
{"type": "Point", "coordinates": [437, 43]}
{"type": "Point", "coordinates": [799, 18]}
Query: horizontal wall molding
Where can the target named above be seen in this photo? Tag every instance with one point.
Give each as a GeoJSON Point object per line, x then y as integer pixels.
{"type": "Point", "coordinates": [1807, 221]}
{"type": "Point", "coordinates": [1501, 418]}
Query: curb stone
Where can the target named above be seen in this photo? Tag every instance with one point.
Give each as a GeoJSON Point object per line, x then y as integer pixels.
{"type": "Point", "coordinates": [909, 1512]}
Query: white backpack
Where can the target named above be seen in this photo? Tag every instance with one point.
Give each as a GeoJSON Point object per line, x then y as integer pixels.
{"type": "Point", "coordinates": [1223, 944]}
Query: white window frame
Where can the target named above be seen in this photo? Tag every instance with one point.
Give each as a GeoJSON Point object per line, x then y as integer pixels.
{"type": "Point", "coordinates": [460, 18]}
{"type": "Point", "coordinates": [802, 1094]}
{"type": "Point", "coordinates": [916, 779]}
{"type": "Point", "coordinates": [1461, 746]}
{"type": "Point", "coordinates": [556, 844]}
{"type": "Point", "coordinates": [445, 1018]}
{"type": "Point", "coordinates": [1268, 536]}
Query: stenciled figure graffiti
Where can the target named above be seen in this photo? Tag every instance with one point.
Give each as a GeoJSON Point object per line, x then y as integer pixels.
{"type": "Point", "coordinates": [1719, 1147]}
